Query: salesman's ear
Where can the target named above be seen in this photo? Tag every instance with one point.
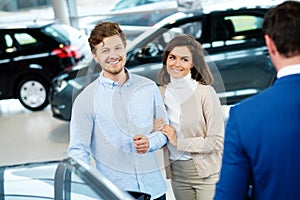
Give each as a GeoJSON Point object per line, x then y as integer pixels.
{"type": "Point", "coordinates": [270, 44]}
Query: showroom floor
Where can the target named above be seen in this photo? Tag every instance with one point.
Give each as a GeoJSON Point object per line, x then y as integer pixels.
{"type": "Point", "coordinates": [30, 136]}
{"type": "Point", "coordinates": [35, 136]}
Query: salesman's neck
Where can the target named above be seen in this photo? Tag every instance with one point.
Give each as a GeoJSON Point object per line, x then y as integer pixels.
{"type": "Point", "coordinates": [284, 62]}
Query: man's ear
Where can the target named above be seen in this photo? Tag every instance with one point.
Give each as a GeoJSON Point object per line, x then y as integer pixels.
{"type": "Point", "coordinates": [95, 57]}
{"type": "Point", "coordinates": [270, 44]}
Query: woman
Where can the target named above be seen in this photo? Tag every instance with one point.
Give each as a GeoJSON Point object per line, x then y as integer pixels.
{"type": "Point", "coordinates": [196, 129]}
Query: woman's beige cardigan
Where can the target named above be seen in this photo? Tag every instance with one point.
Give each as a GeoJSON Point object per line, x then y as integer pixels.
{"type": "Point", "coordinates": [202, 124]}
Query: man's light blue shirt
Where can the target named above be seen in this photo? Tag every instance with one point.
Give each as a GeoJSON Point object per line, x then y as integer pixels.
{"type": "Point", "coordinates": [105, 117]}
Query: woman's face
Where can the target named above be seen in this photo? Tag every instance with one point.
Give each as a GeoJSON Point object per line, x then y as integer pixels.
{"type": "Point", "coordinates": [179, 62]}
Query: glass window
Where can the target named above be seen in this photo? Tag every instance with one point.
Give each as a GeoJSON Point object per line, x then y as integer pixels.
{"type": "Point", "coordinates": [245, 22]}
{"type": "Point", "coordinates": [25, 39]}
{"type": "Point", "coordinates": [238, 29]}
{"type": "Point", "coordinates": [8, 40]}
{"type": "Point", "coordinates": [82, 190]}
{"type": "Point", "coordinates": [9, 44]}
{"type": "Point", "coordinates": [62, 33]}
{"type": "Point", "coordinates": [157, 44]}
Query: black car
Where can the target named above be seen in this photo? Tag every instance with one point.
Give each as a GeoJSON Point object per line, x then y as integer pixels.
{"type": "Point", "coordinates": [32, 55]}
{"type": "Point", "coordinates": [233, 42]}
{"type": "Point", "coordinates": [67, 179]}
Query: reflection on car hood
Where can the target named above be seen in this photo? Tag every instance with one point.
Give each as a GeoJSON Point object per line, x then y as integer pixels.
{"type": "Point", "coordinates": [57, 180]}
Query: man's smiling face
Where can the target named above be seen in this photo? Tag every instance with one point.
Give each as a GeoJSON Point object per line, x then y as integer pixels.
{"type": "Point", "coordinates": [111, 55]}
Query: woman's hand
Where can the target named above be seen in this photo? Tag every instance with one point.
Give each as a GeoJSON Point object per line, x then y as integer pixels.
{"type": "Point", "coordinates": [158, 124]}
{"type": "Point", "coordinates": [170, 133]}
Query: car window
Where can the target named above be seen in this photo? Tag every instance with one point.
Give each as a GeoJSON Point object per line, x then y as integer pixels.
{"type": "Point", "coordinates": [8, 44]}
{"type": "Point", "coordinates": [237, 29]}
{"type": "Point", "coordinates": [62, 32]}
{"type": "Point", "coordinates": [25, 39]}
{"type": "Point", "coordinates": [192, 28]}
{"type": "Point", "coordinates": [156, 46]}
{"type": "Point", "coordinates": [245, 22]}
{"type": "Point", "coordinates": [8, 40]}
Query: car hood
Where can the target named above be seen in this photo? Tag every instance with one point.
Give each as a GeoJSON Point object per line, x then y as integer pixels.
{"type": "Point", "coordinates": [47, 180]}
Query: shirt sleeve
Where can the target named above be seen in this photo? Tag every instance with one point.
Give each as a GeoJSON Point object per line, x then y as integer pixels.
{"type": "Point", "coordinates": [157, 139]}
{"type": "Point", "coordinates": [81, 127]}
{"type": "Point", "coordinates": [214, 122]}
{"type": "Point", "coordinates": [235, 170]}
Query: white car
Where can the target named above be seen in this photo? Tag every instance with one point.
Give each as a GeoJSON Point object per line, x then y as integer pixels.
{"type": "Point", "coordinates": [139, 12]}
{"type": "Point", "coordinates": [63, 179]}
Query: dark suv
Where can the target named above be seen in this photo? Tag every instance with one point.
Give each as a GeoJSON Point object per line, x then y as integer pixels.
{"type": "Point", "coordinates": [32, 55]}
{"type": "Point", "coordinates": [232, 39]}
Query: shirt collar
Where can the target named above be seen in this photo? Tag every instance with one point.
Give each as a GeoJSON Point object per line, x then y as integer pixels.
{"type": "Point", "coordinates": [110, 83]}
{"type": "Point", "coordinates": [289, 70]}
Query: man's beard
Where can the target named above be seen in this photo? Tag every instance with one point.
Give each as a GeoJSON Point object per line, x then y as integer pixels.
{"type": "Point", "coordinates": [114, 72]}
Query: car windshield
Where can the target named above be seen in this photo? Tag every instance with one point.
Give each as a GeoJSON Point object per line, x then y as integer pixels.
{"type": "Point", "coordinates": [158, 27]}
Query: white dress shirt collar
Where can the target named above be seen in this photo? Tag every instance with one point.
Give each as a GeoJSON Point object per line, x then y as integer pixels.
{"type": "Point", "coordinates": [289, 70]}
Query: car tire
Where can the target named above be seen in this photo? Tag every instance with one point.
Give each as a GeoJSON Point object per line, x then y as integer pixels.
{"type": "Point", "coordinates": [33, 93]}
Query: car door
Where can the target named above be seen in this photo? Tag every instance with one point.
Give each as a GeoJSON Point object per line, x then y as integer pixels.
{"type": "Point", "coordinates": [237, 48]}
{"type": "Point", "coordinates": [7, 53]}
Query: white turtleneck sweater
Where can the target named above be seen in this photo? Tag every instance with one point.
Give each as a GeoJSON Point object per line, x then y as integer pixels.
{"type": "Point", "coordinates": [177, 92]}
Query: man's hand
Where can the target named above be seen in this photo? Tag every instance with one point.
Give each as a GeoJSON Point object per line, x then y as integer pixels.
{"type": "Point", "coordinates": [141, 143]}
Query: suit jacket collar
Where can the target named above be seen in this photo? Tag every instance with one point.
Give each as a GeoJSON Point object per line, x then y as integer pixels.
{"type": "Point", "coordinates": [288, 78]}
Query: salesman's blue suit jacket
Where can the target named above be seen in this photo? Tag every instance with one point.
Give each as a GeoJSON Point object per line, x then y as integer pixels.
{"type": "Point", "coordinates": [262, 145]}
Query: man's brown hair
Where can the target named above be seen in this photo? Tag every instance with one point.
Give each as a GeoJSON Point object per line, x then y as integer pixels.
{"type": "Point", "coordinates": [103, 30]}
{"type": "Point", "coordinates": [282, 24]}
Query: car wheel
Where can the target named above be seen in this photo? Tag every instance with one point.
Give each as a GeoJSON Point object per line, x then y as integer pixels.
{"type": "Point", "coordinates": [33, 93]}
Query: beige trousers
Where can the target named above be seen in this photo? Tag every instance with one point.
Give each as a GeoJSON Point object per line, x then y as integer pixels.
{"type": "Point", "coordinates": [187, 185]}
